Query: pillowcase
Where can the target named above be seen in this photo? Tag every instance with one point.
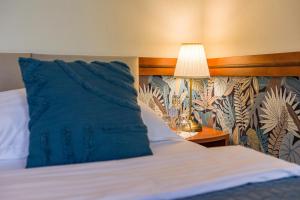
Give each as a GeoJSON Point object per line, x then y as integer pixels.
{"type": "Point", "coordinates": [14, 131]}
{"type": "Point", "coordinates": [82, 112]}
{"type": "Point", "coordinates": [158, 130]}
{"type": "Point", "coordinates": [12, 164]}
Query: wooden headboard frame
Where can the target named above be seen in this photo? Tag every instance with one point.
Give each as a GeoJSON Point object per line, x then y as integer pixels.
{"type": "Point", "coordinates": [277, 64]}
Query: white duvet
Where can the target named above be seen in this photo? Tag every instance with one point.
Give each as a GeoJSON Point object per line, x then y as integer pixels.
{"type": "Point", "coordinates": [177, 169]}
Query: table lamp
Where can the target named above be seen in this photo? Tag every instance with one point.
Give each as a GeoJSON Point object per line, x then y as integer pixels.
{"type": "Point", "coordinates": [191, 64]}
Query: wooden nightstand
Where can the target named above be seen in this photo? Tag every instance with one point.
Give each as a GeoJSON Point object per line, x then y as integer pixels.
{"type": "Point", "coordinates": [210, 138]}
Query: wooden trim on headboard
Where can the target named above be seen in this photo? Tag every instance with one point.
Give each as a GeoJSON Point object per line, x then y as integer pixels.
{"type": "Point", "coordinates": [277, 64]}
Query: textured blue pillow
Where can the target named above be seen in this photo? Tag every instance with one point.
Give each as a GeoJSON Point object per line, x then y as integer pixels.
{"type": "Point", "coordinates": [82, 112]}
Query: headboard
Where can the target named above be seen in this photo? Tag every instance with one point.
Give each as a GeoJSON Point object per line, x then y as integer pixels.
{"type": "Point", "coordinates": [10, 75]}
{"type": "Point", "coordinates": [276, 64]}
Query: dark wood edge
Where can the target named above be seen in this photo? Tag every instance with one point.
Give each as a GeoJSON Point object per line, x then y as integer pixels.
{"type": "Point", "coordinates": [277, 64]}
{"type": "Point", "coordinates": [211, 139]}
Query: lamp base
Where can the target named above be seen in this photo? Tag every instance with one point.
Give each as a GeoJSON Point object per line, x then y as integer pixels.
{"type": "Point", "coordinates": [192, 126]}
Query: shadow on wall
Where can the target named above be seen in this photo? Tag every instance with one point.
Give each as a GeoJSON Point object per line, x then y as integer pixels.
{"type": "Point", "coordinates": [262, 113]}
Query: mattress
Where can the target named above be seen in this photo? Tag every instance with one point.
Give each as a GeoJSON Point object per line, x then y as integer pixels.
{"type": "Point", "coordinates": [12, 164]}
{"type": "Point", "coordinates": [176, 170]}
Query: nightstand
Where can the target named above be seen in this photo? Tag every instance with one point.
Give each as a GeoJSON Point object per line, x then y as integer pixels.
{"type": "Point", "coordinates": [210, 137]}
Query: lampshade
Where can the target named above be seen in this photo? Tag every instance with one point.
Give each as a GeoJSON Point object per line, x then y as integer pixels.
{"type": "Point", "coordinates": [191, 62]}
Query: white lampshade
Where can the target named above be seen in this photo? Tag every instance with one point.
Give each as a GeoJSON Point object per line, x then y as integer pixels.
{"type": "Point", "coordinates": [191, 62]}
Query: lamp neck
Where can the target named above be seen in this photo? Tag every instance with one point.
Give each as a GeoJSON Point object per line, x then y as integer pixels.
{"type": "Point", "coordinates": [191, 98]}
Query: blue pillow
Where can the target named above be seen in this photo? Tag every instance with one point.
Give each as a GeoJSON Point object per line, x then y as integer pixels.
{"type": "Point", "coordinates": [82, 112]}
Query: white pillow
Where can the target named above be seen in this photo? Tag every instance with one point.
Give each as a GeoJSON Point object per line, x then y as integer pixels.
{"type": "Point", "coordinates": [10, 164]}
{"type": "Point", "coordinates": [157, 128]}
{"type": "Point", "coordinates": [14, 117]}
{"type": "Point", "coordinates": [14, 133]}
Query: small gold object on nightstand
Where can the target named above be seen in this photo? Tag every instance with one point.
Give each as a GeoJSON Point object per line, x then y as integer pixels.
{"type": "Point", "coordinates": [192, 125]}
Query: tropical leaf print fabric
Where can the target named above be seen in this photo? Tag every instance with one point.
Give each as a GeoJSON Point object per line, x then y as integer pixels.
{"type": "Point", "coordinates": [262, 113]}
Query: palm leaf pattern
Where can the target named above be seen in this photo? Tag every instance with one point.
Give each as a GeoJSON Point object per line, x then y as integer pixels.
{"type": "Point", "coordinates": [293, 116]}
{"type": "Point", "coordinates": [255, 108]}
{"type": "Point", "coordinates": [289, 150]}
{"type": "Point", "coordinates": [277, 134]}
{"type": "Point", "coordinates": [264, 140]}
{"type": "Point", "coordinates": [225, 115]}
{"type": "Point", "coordinates": [230, 86]}
{"type": "Point", "coordinates": [176, 87]}
{"type": "Point", "coordinates": [274, 104]}
{"type": "Point", "coordinates": [292, 84]}
{"type": "Point", "coordinates": [241, 110]}
{"type": "Point", "coordinates": [206, 99]}
{"type": "Point", "coordinates": [249, 86]}
{"type": "Point", "coordinates": [153, 98]}
{"type": "Point", "coordinates": [253, 140]}
{"type": "Point", "coordinates": [262, 113]}
{"type": "Point", "coordinates": [220, 84]}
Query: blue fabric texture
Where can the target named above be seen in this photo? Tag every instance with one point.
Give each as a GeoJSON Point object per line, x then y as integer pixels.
{"type": "Point", "coordinates": [281, 189]}
{"type": "Point", "coordinates": [82, 112]}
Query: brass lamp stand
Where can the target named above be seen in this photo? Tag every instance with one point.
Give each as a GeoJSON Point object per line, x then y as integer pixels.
{"type": "Point", "coordinates": [192, 125]}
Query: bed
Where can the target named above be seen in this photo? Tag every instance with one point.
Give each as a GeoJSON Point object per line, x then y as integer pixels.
{"type": "Point", "coordinates": [178, 169]}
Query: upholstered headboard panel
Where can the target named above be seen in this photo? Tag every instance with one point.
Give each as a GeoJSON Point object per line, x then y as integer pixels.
{"type": "Point", "coordinates": [10, 76]}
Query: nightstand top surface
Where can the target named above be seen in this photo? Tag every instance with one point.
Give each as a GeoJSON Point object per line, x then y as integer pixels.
{"type": "Point", "coordinates": [209, 135]}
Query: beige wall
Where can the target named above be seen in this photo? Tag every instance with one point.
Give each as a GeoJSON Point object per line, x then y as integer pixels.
{"type": "Point", "coordinates": [243, 27]}
{"type": "Point", "coordinates": [149, 27]}
{"type": "Point", "coordinates": [99, 27]}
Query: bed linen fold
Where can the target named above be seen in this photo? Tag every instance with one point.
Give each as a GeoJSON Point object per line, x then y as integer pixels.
{"type": "Point", "coordinates": [176, 170]}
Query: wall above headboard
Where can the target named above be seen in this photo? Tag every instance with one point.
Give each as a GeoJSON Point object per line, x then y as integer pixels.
{"type": "Point", "coordinates": [277, 64]}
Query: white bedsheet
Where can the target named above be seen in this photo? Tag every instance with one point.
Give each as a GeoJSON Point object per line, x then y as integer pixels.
{"type": "Point", "coordinates": [11, 164]}
{"type": "Point", "coordinates": [177, 169]}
